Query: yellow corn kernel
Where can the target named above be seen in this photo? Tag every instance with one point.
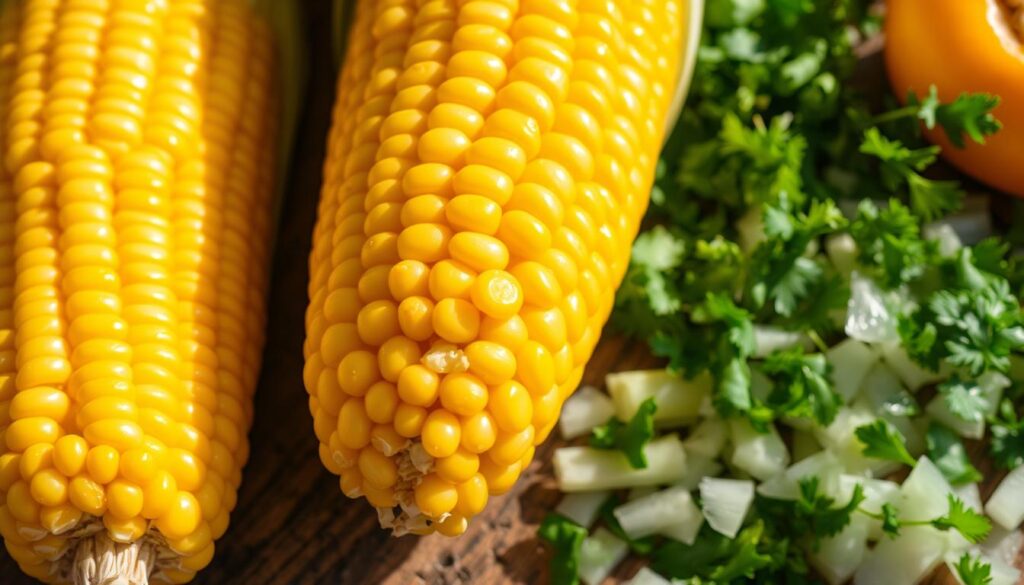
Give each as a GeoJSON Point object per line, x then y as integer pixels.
{"type": "Point", "coordinates": [458, 467]}
{"type": "Point", "coordinates": [49, 488]}
{"type": "Point", "coordinates": [136, 195]}
{"type": "Point", "coordinates": [435, 497]}
{"type": "Point", "coordinates": [69, 454]}
{"type": "Point", "coordinates": [441, 433]}
{"type": "Point", "coordinates": [475, 219]}
{"type": "Point", "coordinates": [462, 393]}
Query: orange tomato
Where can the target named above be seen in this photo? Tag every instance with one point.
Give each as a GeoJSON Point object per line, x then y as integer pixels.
{"type": "Point", "coordinates": [963, 46]}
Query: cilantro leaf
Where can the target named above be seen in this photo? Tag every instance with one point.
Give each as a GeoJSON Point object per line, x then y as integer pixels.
{"type": "Point", "coordinates": [970, 524]}
{"type": "Point", "coordinates": [802, 387]}
{"type": "Point", "coordinates": [965, 399]}
{"type": "Point", "coordinates": [812, 515]}
{"type": "Point", "coordinates": [716, 557]}
{"type": "Point", "coordinates": [889, 242]}
{"type": "Point", "coordinates": [1007, 430]}
{"type": "Point", "coordinates": [973, 571]}
{"type": "Point", "coordinates": [949, 455]}
{"type": "Point", "coordinates": [739, 327]}
{"type": "Point", "coordinates": [901, 166]}
{"type": "Point", "coordinates": [630, 437]}
{"type": "Point", "coordinates": [825, 520]}
{"type": "Point", "coordinates": [566, 539]}
{"type": "Point", "coordinates": [975, 329]}
{"type": "Point", "coordinates": [882, 441]}
{"type": "Point", "coordinates": [969, 114]}
{"type": "Point", "coordinates": [890, 520]}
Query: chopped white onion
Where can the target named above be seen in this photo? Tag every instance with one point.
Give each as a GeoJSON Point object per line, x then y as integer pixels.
{"type": "Point", "coordinates": [970, 495]}
{"type": "Point", "coordinates": [599, 554]}
{"type": "Point", "coordinates": [587, 408]}
{"type": "Point", "coordinates": [679, 401]}
{"type": "Point", "coordinates": [670, 509]}
{"type": "Point", "coordinates": [769, 339]}
{"type": "Point", "coordinates": [707, 438]}
{"type": "Point", "coordinates": [582, 508]}
{"type": "Point", "coordinates": [1003, 545]}
{"type": "Point", "coordinates": [877, 493]}
{"type": "Point", "coordinates": [904, 560]}
{"type": "Point", "coordinates": [697, 468]}
{"type": "Point", "coordinates": [924, 494]}
{"type": "Point", "coordinates": [646, 576]}
{"type": "Point", "coordinates": [762, 455]}
{"type": "Point", "coordinates": [910, 372]}
{"type": "Point", "coordinates": [943, 233]}
{"type": "Point", "coordinates": [939, 410]}
{"type": "Point", "coordinates": [1006, 505]}
{"type": "Point", "coordinates": [840, 437]}
{"type": "Point", "coordinates": [580, 469]}
{"type": "Point", "coordinates": [851, 361]}
{"type": "Point", "coordinates": [786, 485]}
{"type": "Point", "coordinates": [837, 557]}
{"type": "Point", "coordinates": [726, 503]}
{"type": "Point", "coordinates": [868, 318]}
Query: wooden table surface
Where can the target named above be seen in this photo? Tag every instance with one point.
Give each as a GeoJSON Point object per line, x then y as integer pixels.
{"type": "Point", "coordinates": [292, 524]}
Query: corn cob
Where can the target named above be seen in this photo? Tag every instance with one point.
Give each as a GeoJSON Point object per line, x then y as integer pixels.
{"type": "Point", "coordinates": [488, 166]}
{"type": "Point", "coordinates": [135, 212]}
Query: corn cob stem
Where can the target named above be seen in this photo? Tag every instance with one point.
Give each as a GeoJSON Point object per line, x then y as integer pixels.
{"type": "Point", "coordinates": [97, 560]}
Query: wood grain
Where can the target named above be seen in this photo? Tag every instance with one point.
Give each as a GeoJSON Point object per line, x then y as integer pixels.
{"type": "Point", "coordinates": [292, 524]}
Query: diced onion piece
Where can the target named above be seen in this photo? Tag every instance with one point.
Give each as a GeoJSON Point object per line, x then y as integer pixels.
{"type": "Point", "coordinates": [973, 223]}
{"type": "Point", "coordinates": [697, 468]}
{"type": "Point", "coordinates": [707, 438]}
{"type": "Point", "coordinates": [580, 469]}
{"type": "Point", "coordinates": [868, 317]}
{"type": "Point", "coordinates": [842, 252]}
{"type": "Point", "coordinates": [1003, 544]}
{"type": "Point", "coordinates": [587, 408]}
{"type": "Point", "coordinates": [925, 493]}
{"type": "Point", "coordinates": [762, 455]}
{"type": "Point", "coordinates": [646, 576]}
{"type": "Point", "coordinates": [837, 557]}
{"type": "Point", "coordinates": [599, 554]}
{"type": "Point", "coordinates": [913, 375]}
{"type": "Point", "coordinates": [943, 233]}
{"type": "Point", "coordinates": [877, 493]}
{"type": "Point", "coordinates": [1003, 573]}
{"type": "Point", "coordinates": [726, 503]}
{"type": "Point", "coordinates": [1006, 506]}
{"type": "Point", "coordinates": [851, 361]}
{"type": "Point", "coordinates": [582, 508]}
{"type": "Point", "coordinates": [939, 410]}
{"type": "Point", "coordinates": [786, 485]}
{"type": "Point", "coordinates": [769, 339]}
{"type": "Point", "coordinates": [883, 390]}
{"type": "Point", "coordinates": [679, 401]}
{"type": "Point", "coordinates": [970, 495]}
{"type": "Point", "coordinates": [904, 560]}
{"type": "Point", "coordinates": [672, 508]}
{"type": "Point", "coordinates": [840, 437]}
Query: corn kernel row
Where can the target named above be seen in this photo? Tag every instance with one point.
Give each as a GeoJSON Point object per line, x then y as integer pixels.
{"type": "Point", "coordinates": [135, 198]}
{"type": "Point", "coordinates": [487, 169]}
